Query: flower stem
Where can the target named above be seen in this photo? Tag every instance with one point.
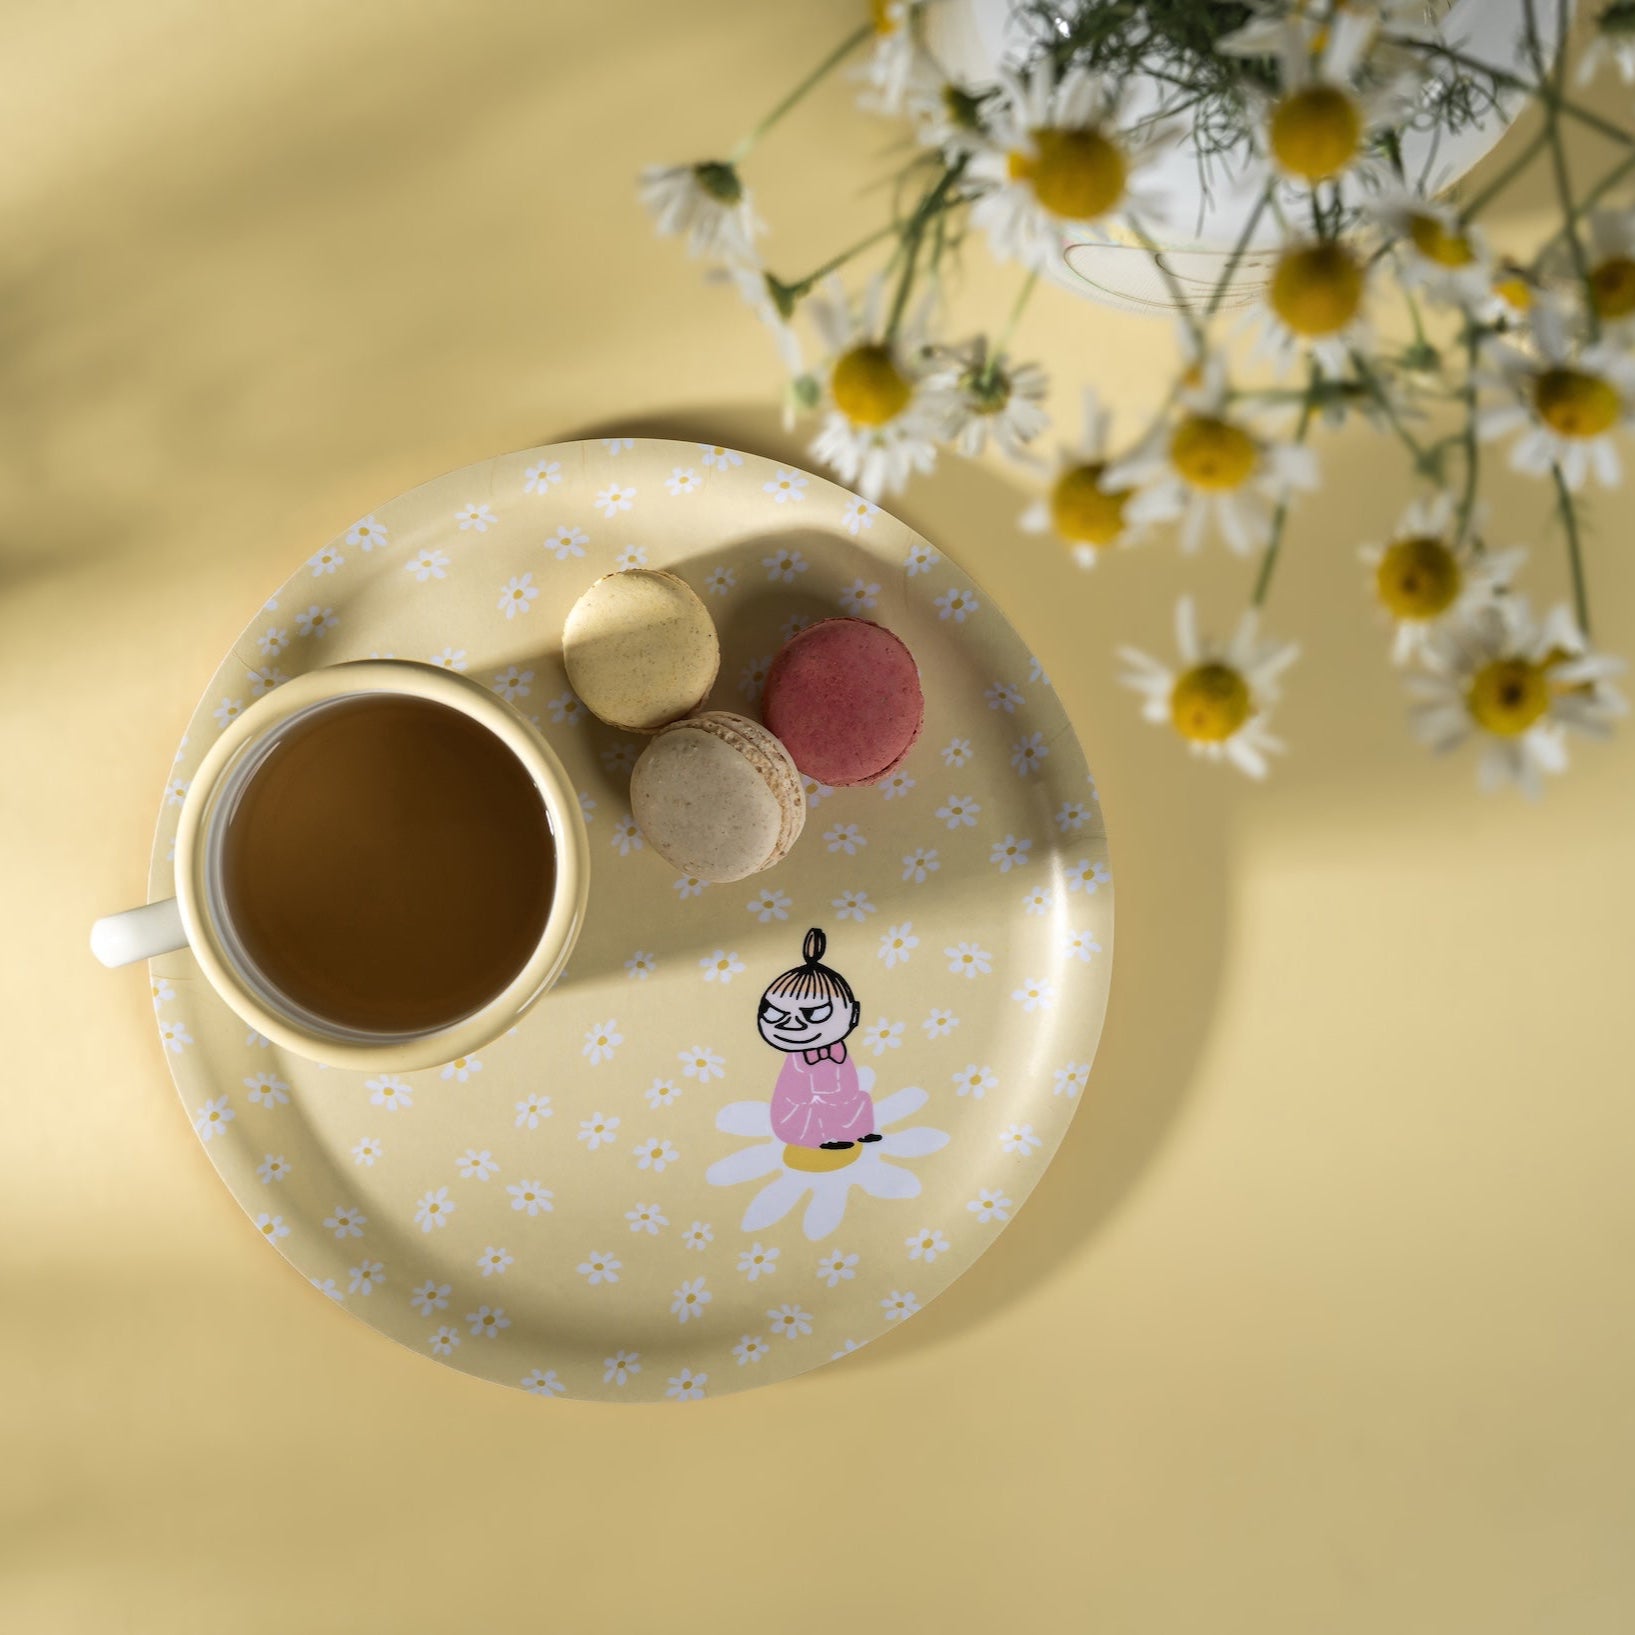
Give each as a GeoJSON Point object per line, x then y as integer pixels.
{"type": "Point", "coordinates": [1575, 556]}
{"type": "Point", "coordinates": [1486, 195]}
{"type": "Point", "coordinates": [1172, 283]}
{"type": "Point", "coordinates": [1424, 464]}
{"type": "Point", "coordinates": [818, 74]}
{"type": "Point", "coordinates": [1467, 499]}
{"type": "Point", "coordinates": [1218, 294]}
{"type": "Point", "coordinates": [931, 203]}
{"type": "Point", "coordinates": [1585, 205]}
{"type": "Point", "coordinates": [1280, 518]}
{"type": "Point", "coordinates": [1018, 306]}
{"type": "Point", "coordinates": [802, 286]}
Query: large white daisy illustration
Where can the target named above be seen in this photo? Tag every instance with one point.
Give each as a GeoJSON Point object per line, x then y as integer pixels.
{"type": "Point", "coordinates": [828, 1175]}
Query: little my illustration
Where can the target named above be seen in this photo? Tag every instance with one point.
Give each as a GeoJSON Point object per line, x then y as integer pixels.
{"type": "Point", "coordinates": [806, 1013]}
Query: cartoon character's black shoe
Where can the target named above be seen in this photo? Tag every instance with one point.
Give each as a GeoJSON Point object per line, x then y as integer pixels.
{"type": "Point", "coordinates": [874, 1137]}
{"type": "Point", "coordinates": [837, 1146]}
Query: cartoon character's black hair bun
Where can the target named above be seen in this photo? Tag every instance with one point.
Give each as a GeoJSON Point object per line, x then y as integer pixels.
{"type": "Point", "coordinates": [814, 946]}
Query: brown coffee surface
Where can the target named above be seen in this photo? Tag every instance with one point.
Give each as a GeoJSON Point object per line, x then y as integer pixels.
{"type": "Point", "coordinates": [389, 865]}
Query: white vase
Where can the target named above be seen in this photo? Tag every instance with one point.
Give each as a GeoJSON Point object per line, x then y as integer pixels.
{"type": "Point", "coordinates": [1197, 231]}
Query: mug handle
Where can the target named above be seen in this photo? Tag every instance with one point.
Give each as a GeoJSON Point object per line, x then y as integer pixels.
{"type": "Point", "coordinates": [139, 933]}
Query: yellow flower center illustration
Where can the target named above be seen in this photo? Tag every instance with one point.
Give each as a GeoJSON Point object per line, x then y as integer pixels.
{"type": "Point", "coordinates": [1575, 404]}
{"type": "Point", "coordinates": [1077, 175]}
{"type": "Point", "coordinates": [1212, 454]}
{"type": "Point", "coordinates": [869, 388]}
{"type": "Point", "coordinates": [820, 1160]}
{"type": "Point", "coordinates": [1418, 578]}
{"type": "Point", "coordinates": [1612, 284]}
{"type": "Point", "coordinates": [1315, 132]}
{"type": "Point", "coordinates": [1446, 246]}
{"type": "Point", "coordinates": [1082, 511]}
{"type": "Point", "coordinates": [1507, 696]}
{"type": "Point", "coordinates": [1317, 289]}
{"type": "Point", "coordinates": [1209, 703]}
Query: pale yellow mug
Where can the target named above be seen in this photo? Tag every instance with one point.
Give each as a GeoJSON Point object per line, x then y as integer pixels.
{"type": "Point", "coordinates": [198, 917]}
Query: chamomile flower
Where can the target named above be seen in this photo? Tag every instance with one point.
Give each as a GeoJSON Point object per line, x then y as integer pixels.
{"type": "Point", "coordinates": [1052, 165]}
{"type": "Point", "coordinates": [1436, 252]}
{"type": "Point", "coordinates": [1516, 684]}
{"type": "Point", "coordinates": [1611, 255]}
{"type": "Point", "coordinates": [892, 55]}
{"type": "Point", "coordinates": [1424, 574]}
{"type": "Point", "coordinates": [707, 202]}
{"type": "Point", "coordinates": [1219, 697]}
{"type": "Point", "coordinates": [1209, 464]}
{"type": "Point", "coordinates": [1614, 42]}
{"type": "Point", "coordinates": [1315, 307]}
{"type": "Point", "coordinates": [882, 412]}
{"type": "Point", "coordinates": [992, 397]}
{"type": "Point", "coordinates": [947, 117]}
{"type": "Point", "coordinates": [1567, 402]}
{"type": "Point", "coordinates": [1087, 514]}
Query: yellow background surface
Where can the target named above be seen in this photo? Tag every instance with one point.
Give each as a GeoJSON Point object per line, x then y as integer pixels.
{"type": "Point", "coordinates": [1321, 1322]}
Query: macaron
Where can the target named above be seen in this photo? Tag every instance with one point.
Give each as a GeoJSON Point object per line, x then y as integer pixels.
{"type": "Point", "coordinates": [640, 649]}
{"type": "Point", "coordinates": [717, 796]}
{"type": "Point", "coordinates": [844, 696]}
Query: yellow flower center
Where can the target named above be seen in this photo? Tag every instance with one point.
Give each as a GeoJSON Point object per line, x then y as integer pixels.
{"type": "Point", "coordinates": [1209, 703]}
{"type": "Point", "coordinates": [1317, 289]}
{"type": "Point", "coordinates": [1507, 696]}
{"type": "Point", "coordinates": [1075, 174]}
{"type": "Point", "coordinates": [1512, 288]}
{"type": "Point", "coordinates": [1315, 132]}
{"type": "Point", "coordinates": [887, 15]}
{"type": "Point", "coordinates": [1447, 247]}
{"type": "Point", "coordinates": [820, 1160]}
{"type": "Point", "coordinates": [1575, 404]}
{"type": "Point", "coordinates": [1612, 284]}
{"type": "Point", "coordinates": [1418, 578]}
{"type": "Point", "coordinates": [1082, 512]}
{"type": "Point", "coordinates": [1212, 454]}
{"type": "Point", "coordinates": [869, 388]}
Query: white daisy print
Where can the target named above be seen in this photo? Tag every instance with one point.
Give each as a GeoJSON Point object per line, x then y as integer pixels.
{"type": "Point", "coordinates": [430, 1296]}
{"type": "Point", "coordinates": [957, 752]}
{"type": "Point", "coordinates": [543, 1382]}
{"type": "Point", "coordinates": [663, 1093]}
{"type": "Point", "coordinates": [494, 1261]}
{"type": "Point", "coordinates": [975, 1081]}
{"type": "Point", "coordinates": [268, 1090]}
{"type": "Point", "coordinates": [513, 683]}
{"type": "Point", "coordinates": [480, 517]}
{"type": "Point", "coordinates": [895, 784]}
{"type": "Point", "coordinates": [690, 1300]}
{"type": "Point", "coordinates": [365, 1277]}
{"type": "Point", "coordinates": [632, 556]}
{"type": "Point", "coordinates": [531, 1109]}
{"type": "Point", "coordinates": [1072, 816]}
{"type": "Point", "coordinates": [617, 1369]}
{"type": "Point", "coordinates": [858, 515]}
{"type": "Point", "coordinates": [263, 681]}
{"type": "Point", "coordinates": [718, 581]}
{"type": "Point", "coordinates": [176, 792]}
{"type": "Point", "coordinates": [444, 1340]}
{"type": "Point", "coordinates": [212, 1118]}
{"type": "Point", "coordinates": [517, 595]}
{"type": "Point", "coordinates": [367, 534]}
{"type": "Point", "coordinates": [1001, 697]}
{"type": "Point", "coordinates": [752, 678]}
{"type": "Point", "coordinates": [541, 478]}
{"type": "Point", "coordinates": [939, 1024]}
{"type": "Point", "coordinates": [1019, 1139]}
{"type": "Point", "coordinates": [768, 905]}
{"type": "Point", "coordinates": [846, 1349]}
{"type": "Point", "coordinates": [689, 885]}
{"type": "Point", "coordinates": [845, 837]}
{"type": "Point", "coordinates": [598, 1131]}
{"type": "Point", "coordinates": [957, 605]}
{"type": "Point", "coordinates": [926, 1245]}
{"type": "Point", "coordinates": [897, 944]}
{"type": "Point", "coordinates": [1070, 1080]}
{"type": "Point", "coordinates": [346, 1222]}
{"type": "Point", "coordinates": [640, 966]}
{"type": "Point", "coordinates": [329, 1288]}
{"type": "Point", "coordinates": [272, 1228]}
{"type": "Point", "coordinates": [751, 1348]}
{"type": "Point", "coordinates": [790, 1321]}
{"type": "Point", "coordinates": [883, 1036]}
{"type": "Point", "coordinates": [683, 480]}
{"type": "Point", "coordinates": [566, 542]}
{"type": "Point", "coordinates": [757, 1261]}
{"type": "Point", "coordinates": [601, 1041]}
{"type": "Point", "coordinates": [597, 1268]}
{"type": "Point", "coordinates": [815, 791]}
{"type": "Point", "coordinates": [959, 812]}
{"type": "Point", "coordinates": [836, 1268]}
{"type": "Point", "coordinates": [646, 1218]}
{"type": "Point", "coordinates": [1037, 900]}
{"type": "Point", "coordinates": [1086, 876]}
{"type": "Point", "coordinates": [620, 756]}
{"type": "Point", "coordinates": [785, 565]}
{"type": "Point", "coordinates": [274, 1167]}
{"type": "Point", "coordinates": [366, 1152]}
{"type": "Point", "coordinates": [325, 561]}
{"type": "Point", "coordinates": [687, 1386]}
{"type": "Point", "coordinates": [990, 1205]}
{"type": "Point", "coordinates": [699, 1063]}
{"type": "Point", "coordinates": [272, 641]}
{"type": "Point", "coordinates": [451, 658]}
{"type": "Point", "coordinates": [968, 960]}
{"type": "Point", "coordinates": [434, 1210]}
{"type": "Point", "coordinates": [488, 1321]}
{"type": "Point", "coordinates": [922, 558]}
{"type": "Point", "coordinates": [614, 498]}
{"type": "Point", "coordinates": [859, 597]}
{"type": "Point", "coordinates": [163, 992]}
{"type": "Point", "coordinates": [786, 486]}
{"type": "Point", "coordinates": [1080, 945]}
{"type": "Point", "coordinates": [1027, 754]}
{"type": "Point", "coordinates": [698, 1236]}
{"type": "Point", "coordinates": [721, 966]}
{"type": "Point", "coordinates": [655, 1155]}
{"type": "Point", "coordinates": [477, 1166]}
{"type": "Point", "coordinates": [530, 1198]}
{"type": "Point", "coordinates": [316, 621]}
{"type": "Point", "coordinates": [1010, 853]}
{"type": "Point", "coordinates": [897, 1306]}
{"type": "Point", "coordinates": [853, 905]}
{"type": "Point", "coordinates": [461, 1068]}
{"type": "Point", "coordinates": [920, 863]}
{"type": "Point", "coordinates": [718, 458]}
{"type": "Point", "coordinates": [626, 837]}
{"type": "Point", "coordinates": [587, 805]}
{"type": "Point", "coordinates": [229, 709]}
{"type": "Point", "coordinates": [1035, 994]}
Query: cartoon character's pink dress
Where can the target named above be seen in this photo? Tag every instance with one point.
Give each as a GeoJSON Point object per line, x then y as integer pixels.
{"type": "Point", "coordinates": [817, 1098]}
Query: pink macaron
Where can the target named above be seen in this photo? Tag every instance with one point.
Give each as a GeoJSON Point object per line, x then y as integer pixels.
{"type": "Point", "coordinates": [844, 697]}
